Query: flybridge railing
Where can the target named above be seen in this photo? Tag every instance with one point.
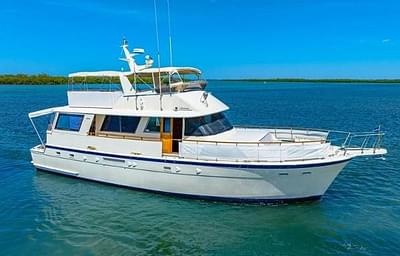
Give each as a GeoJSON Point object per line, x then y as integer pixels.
{"type": "Point", "coordinates": [289, 144]}
{"type": "Point", "coordinates": [98, 84]}
{"type": "Point", "coordinates": [106, 84]}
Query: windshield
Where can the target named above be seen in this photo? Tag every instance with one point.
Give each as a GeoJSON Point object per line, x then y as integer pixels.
{"type": "Point", "coordinates": [207, 125]}
{"type": "Point", "coordinates": [190, 77]}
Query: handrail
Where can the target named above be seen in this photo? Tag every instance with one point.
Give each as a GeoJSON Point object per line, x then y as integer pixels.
{"type": "Point", "coordinates": [364, 143]}
{"type": "Point", "coordinates": [294, 128]}
{"type": "Point", "coordinates": [255, 142]}
{"type": "Point", "coordinates": [125, 136]}
{"type": "Point", "coordinates": [346, 136]}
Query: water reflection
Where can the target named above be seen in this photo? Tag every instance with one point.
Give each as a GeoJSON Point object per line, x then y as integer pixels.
{"type": "Point", "coordinates": [105, 218]}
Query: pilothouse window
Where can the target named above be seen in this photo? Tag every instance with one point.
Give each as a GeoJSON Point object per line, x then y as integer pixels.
{"type": "Point", "coordinates": [207, 125]}
{"type": "Point", "coordinates": [68, 122]}
{"type": "Point", "coordinates": [124, 124]}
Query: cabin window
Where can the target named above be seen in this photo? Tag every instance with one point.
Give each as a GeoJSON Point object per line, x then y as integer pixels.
{"type": "Point", "coordinates": [207, 125]}
{"type": "Point", "coordinates": [125, 124]}
{"type": "Point", "coordinates": [153, 125]}
{"type": "Point", "coordinates": [68, 122]}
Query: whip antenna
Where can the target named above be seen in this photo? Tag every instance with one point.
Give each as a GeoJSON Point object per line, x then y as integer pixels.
{"type": "Point", "coordinates": [169, 32]}
{"type": "Point", "coordinates": [158, 52]}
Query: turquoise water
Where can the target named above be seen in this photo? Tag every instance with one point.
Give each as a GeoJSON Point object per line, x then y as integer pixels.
{"type": "Point", "coordinates": [44, 214]}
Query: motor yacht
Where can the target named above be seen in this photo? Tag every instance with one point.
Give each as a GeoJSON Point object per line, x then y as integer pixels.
{"type": "Point", "coordinates": [158, 129]}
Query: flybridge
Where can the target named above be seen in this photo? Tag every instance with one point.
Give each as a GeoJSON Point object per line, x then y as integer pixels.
{"type": "Point", "coordinates": [144, 77]}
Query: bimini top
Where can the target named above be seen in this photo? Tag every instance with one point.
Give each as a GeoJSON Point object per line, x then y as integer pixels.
{"type": "Point", "coordinates": [100, 74]}
{"type": "Point", "coordinates": [146, 71]}
{"type": "Point", "coordinates": [180, 70]}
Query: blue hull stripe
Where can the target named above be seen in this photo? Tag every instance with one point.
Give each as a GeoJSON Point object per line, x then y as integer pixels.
{"type": "Point", "coordinates": [201, 197]}
{"type": "Point", "coordinates": [215, 164]}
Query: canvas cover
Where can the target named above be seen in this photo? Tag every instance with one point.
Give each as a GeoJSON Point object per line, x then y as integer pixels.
{"type": "Point", "coordinates": [253, 152]}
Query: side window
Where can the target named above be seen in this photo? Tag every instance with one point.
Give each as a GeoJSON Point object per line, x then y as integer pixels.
{"type": "Point", "coordinates": [153, 125]}
{"type": "Point", "coordinates": [129, 124]}
{"type": "Point", "coordinates": [111, 124]}
{"type": "Point", "coordinates": [69, 122]}
{"type": "Point", "coordinates": [125, 124]}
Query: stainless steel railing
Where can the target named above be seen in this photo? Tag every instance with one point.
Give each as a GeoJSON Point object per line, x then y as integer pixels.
{"type": "Point", "coordinates": [335, 137]}
{"type": "Point", "coordinates": [306, 143]}
{"type": "Point", "coordinates": [301, 140]}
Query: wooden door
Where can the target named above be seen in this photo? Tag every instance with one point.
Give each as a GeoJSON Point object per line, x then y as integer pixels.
{"type": "Point", "coordinates": [166, 135]}
{"type": "Point", "coordinates": [176, 134]}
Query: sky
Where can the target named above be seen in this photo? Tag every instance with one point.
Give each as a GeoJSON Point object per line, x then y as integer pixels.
{"type": "Point", "coordinates": [224, 38]}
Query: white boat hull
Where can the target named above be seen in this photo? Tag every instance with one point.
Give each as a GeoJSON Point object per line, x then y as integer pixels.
{"type": "Point", "coordinates": [210, 180]}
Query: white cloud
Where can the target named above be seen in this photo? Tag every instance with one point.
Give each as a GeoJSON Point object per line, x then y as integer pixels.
{"type": "Point", "coordinates": [387, 40]}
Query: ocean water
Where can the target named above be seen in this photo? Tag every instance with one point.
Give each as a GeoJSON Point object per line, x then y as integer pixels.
{"type": "Point", "coordinates": [46, 214]}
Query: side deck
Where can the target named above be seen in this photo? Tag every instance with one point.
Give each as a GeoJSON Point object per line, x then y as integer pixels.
{"type": "Point", "coordinates": [267, 145]}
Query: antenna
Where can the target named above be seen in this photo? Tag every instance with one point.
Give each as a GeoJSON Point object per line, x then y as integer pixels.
{"type": "Point", "coordinates": [169, 32]}
{"type": "Point", "coordinates": [158, 52]}
{"type": "Point", "coordinates": [128, 56]}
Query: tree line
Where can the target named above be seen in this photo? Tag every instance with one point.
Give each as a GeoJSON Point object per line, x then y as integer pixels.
{"type": "Point", "coordinates": [32, 79]}
{"type": "Point", "coordinates": [45, 79]}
